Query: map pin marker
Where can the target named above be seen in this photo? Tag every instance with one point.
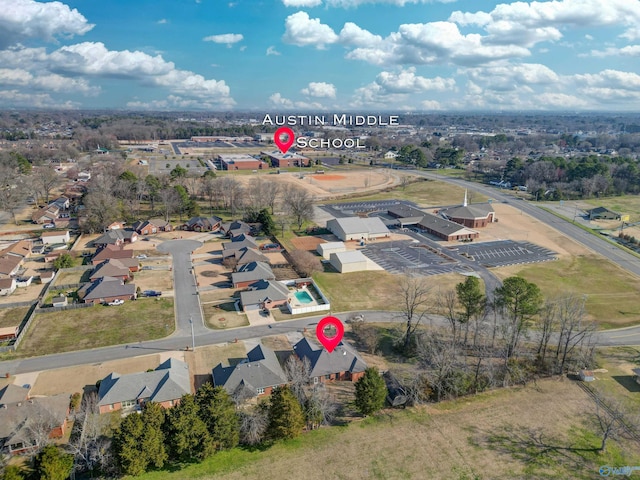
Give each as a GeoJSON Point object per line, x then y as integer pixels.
{"type": "Point", "coordinates": [330, 343]}
{"type": "Point", "coordinates": [283, 146]}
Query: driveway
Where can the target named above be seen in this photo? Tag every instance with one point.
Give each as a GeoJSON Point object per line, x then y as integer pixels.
{"type": "Point", "coordinates": [256, 317]}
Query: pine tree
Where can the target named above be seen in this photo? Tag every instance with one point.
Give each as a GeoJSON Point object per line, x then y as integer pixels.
{"type": "Point", "coordinates": [53, 464]}
{"type": "Point", "coordinates": [371, 392]}
{"type": "Point", "coordinates": [127, 445]}
{"type": "Point", "coordinates": [186, 433]}
{"type": "Point", "coordinates": [286, 419]}
{"type": "Point", "coordinates": [153, 447]}
{"type": "Point", "coordinates": [218, 412]}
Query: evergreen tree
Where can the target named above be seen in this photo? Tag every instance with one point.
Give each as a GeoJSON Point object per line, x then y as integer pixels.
{"type": "Point", "coordinates": [268, 226]}
{"type": "Point", "coordinates": [12, 472]}
{"type": "Point", "coordinates": [53, 464]}
{"type": "Point", "coordinates": [218, 412]}
{"type": "Point", "coordinates": [186, 433]}
{"type": "Point", "coordinates": [127, 445]}
{"type": "Point", "coordinates": [286, 419]}
{"type": "Point", "coordinates": [371, 392]}
{"type": "Point", "coordinates": [152, 443]}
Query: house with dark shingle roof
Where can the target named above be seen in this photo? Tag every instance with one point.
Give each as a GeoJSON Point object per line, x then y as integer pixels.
{"type": "Point", "coordinates": [235, 228]}
{"type": "Point", "coordinates": [203, 224]}
{"type": "Point", "coordinates": [151, 226]}
{"type": "Point", "coordinates": [165, 385]}
{"type": "Point", "coordinates": [602, 213]}
{"type": "Point", "coordinates": [343, 363]}
{"type": "Point", "coordinates": [117, 236]}
{"type": "Point", "coordinates": [240, 241]}
{"type": "Point", "coordinates": [107, 289]}
{"type": "Point", "coordinates": [111, 251]}
{"type": "Point", "coordinates": [251, 272]}
{"type": "Point", "coordinates": [264, 294]}
{"type": "Point", "coordinates": [255, 376]}
{"type": "Point", "coordinates": [245, 255]}
{"type": "Point", "coordinates": [111, 268]}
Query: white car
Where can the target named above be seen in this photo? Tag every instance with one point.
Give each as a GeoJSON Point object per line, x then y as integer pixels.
{"type": "Point", "coordinates": [49, 225]}
{"type": "Point", "coordinates": [117, 301]}
{"type": "Point", "coordinates": [142, 256]}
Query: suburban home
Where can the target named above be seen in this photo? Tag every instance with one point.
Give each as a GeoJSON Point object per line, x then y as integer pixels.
{"type": "Point", "coordinates": [203, 224]}
{"type": "Point", "coordinates": [235, 228]}
{"type": "Point", "coordinates": [61, 202]}
{"type": "Point", "coordinates": [478, 215]}
{"type": "Point", "coordinates": [18, 413]}
{"type": "Point", "coordinates": [152, 226]}
{"type": "Point", "coordinates": [49, 238]}
{"type": "Point", "coordinates": [250, 273]}
{"type": "Point", "coordinates": [390, 155]}
{"type": "Point", "coordinates": [327, 248]}
{"type": "Point", "coordinates": [356, 228]}
{"type": "Point", "coordinates": [12, 257]}
{"type": "Point", "coordinates": [47, 214]}
{"type": "Point", "coordinates": [111, 268]}
{"type": "Point", "coordinates": [245, 255]}
{"type": "Point", "coordinates": [115, 226]}
{"type": "Point", "coordinates": [9, 333]}
{"type": "Point", "coordinates": [107, 289]}
{"type": "Point", "coordinates": [342, 364]}
{"type": "Point", "coordinates": [264, 294]}
{"type": "Point", "coordinates": [165, 385]}
{"type": "Point", "coordinates": [349, 261]}
{"type": "Point", "coordinates": [255, 376]}
{"type": "Point", "coordinates": [21, 248]}
{"type": "Point", "coordinates": [111, 251]}
{"type": "Point", "coordinates": [240, 241]}
{"type": "Point", "coordinates": [602, 213]}
{"type": "Point", "coordinates": [7, 286]}
{"type": "Point", "coordinates": [116, 237]}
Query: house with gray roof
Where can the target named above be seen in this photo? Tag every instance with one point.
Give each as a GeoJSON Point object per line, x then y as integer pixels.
{"type": "Point", "coordinates": [116, 236]}
{"type": "Point", "coordinates": [356, 228]}
{"type": "Point", "coordinates": [245, 255]}
{"type": "Point", "coordinates": [446, 229]}
{"type": "Point", "coordinates": [264, 294]}
{"type": "Point", "coordinates": [235, 228]}
{"type": "Point", "coordinates": [111, 268]}
{"type": "Point", "coordinates": [203, 224]}
{"type": "Point", "coordinates": [165, 385]}
{"type": "Point", "coordinates": [343, 363]}
{"type": "Point", "coordinates": [255, 376]}
{"type": "Point", "coordinates": [107, 289]}
{"type": "Point", "coordinates": [250, 273]}
{"type": "Point", "coordinates": [239, 242]}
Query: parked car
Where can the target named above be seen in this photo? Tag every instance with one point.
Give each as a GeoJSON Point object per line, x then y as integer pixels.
{"type": "Point", "coordinates": [151, 293]}
{"type": "Point", "coordinates": [117, 301]}
{"type": "Point", "coordinates": [142, 256]}
{"type": "Point", "coordinates": [49, 225]}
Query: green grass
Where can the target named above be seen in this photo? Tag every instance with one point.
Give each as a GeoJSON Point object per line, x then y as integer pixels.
{"type": "Point", "coordinates": [612, 293]}
{"type": "Point", "coordinates": [371, 290]}
{"type": "Point", "coordinates": [618, 382]}
{"type": "Point", "coordinates": [12, 316]}
{"type": "Point", "coordinates": [625, 204]}
{"type": "Point", "coordinates": [98, 326]}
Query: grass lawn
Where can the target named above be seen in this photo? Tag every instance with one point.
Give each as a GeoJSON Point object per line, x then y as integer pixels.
{"type": "Point", "coordinates": [531, 432]}
{"type": "Point", "coordinates": [12, 316]}
{"type": "Point", "coordinates": [625, 204]}
{"type": "Point", "coordinates": [71, 278]}
{"type": "Point", "coordinates": [618, 381]}
{"type": "Point", "coordinates": [612, 293]}
{"type": "Point", "coordinates": [214, 312]}
{"type": "Point", "coordinates": [423, 192]}
{"type": "Point", "coordinates": [99, 326]}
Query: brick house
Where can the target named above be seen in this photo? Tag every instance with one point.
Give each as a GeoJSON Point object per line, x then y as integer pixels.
{"type": "Point", "coordinates": [111, 251]}
{"type": "Point", "coordinates": [151, 226]}
{"type": "Point", "coordinates": [203, 224]}
{"type": "Point", "coordinates": [107, 289]}
{"type": "Point", "coordinates": [343, 363]}
{"type": "Point", "coordinates": [111, 268]}
{"type": "Point", "coordinates": [250, 273]}
{"type": "Point", "coordinates": [264, 294]}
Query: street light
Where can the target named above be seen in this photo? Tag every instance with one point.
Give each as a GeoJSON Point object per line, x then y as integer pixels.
{"type": "Point", "coordinates": [193, 338]}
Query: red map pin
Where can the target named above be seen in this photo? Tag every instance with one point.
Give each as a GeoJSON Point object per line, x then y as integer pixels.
{"type": "Point", "coordinates": [330, 343]}
{"type": "Point", "coordinates": [277, 139]}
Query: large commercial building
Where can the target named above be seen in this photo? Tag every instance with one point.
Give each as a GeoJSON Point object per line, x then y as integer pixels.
{"type": "Point", "coordinates": [289, 159]}
{"type": "Point", "coordinates": [241, 161]}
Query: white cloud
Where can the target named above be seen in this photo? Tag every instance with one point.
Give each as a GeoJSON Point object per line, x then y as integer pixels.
{"type": "Point", "coordinates": [399, 3]}
{"type": "Point", "coordinates": [628, 51]}
{"type": "Point", "coordinates": [271, 50]}
{"type": "Point", "coordinates": [278, 101]}
{"type": "Point", "coordinates": [431, 105]}
{"type": "Point", "coordinates": [56, 83]}
{"type": "Point", "coordinates": [406, 81]}
{"type": "Point", "coordinates": [301, 3]}
{"type": "Point", "coordinates": [15, 98]}
{"type": "Point", "coordinates": [162, 21]}
{"type": "Point", "coordinates": [225, 38]}
{"type": "Point", "coordinates": [507, 76]}
{"type": "Point", "coordinates": [23, 19]}
{"type": "Point", "coordinates": [352, 35]}
{"type": "Point", "coordinates": [301, 30]}
{"type": "Point", "coordinates": [320, 90]}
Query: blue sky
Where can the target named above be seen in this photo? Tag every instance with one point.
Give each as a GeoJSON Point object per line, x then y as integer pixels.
{"type": "Point", "coordinates": [316, 55]}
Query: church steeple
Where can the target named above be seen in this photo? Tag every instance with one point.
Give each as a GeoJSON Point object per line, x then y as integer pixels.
{"type": "Point", "coordinates": [465, 199]}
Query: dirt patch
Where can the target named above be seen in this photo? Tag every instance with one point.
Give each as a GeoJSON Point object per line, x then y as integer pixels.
{"type": "Point", "coordinates": [307, 243]}
{"type": "Point", "coordinates": [329, 178]}
{"type": "Point", "coordinates": [154, 280]}
{"type": "Point", "coordinates": [24, 294]}
{"type": "Point", "coordinates": [215, 272]}
{"type": "Point", "coordinates": [275, 258]}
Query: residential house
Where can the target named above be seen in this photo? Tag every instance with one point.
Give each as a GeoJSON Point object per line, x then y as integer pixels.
{"type": "Point", "coordinates": [111, 251]}
{"type": "Point", "coordinates": [107, 289]}
{"type": "Point", "coordinates": [20, 413]}
{"type": "Point", "coordinates": [48, 214]}
{"type": "Point", "coordinates": [165, 385]}
{"type": "Point", "coordinates": [264, 294]}
{"type": "Point", "coordinates": [235, 228]}
{"type": "Point", "coordinates": [240, 241]}
{"type": "Point", "coordinates": [9, 333]}
{"type": "Point", "coordinates": [343, 363]}
{"type": "Point", "coordinates": [49, 238]}
{"type": "Point", "coordinates": [111, 268]}
{"type": "Point", "coordinates": [116, 237]}
{"type": "Point", "coordinates": [356, 228]}
{"type": "Point", "coordinates": [244, 255]}
{"type": "Point", "coordinates": [61, 202]}
{"type": "Point", "coordinates": [255, 376]}
{"type": "Point", "coordinates": [7, 286]}
{"type": "Point", "coordinates": [250, 273]}
{"type": "Point", "coordinates": [115, 226]}
{"type": "Point", "coordinates": [203, 224]}
{"type": "Point", "coordinates": [151, 226]}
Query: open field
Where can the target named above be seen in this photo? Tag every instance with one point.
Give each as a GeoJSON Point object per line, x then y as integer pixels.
{"type": "Point", "coordinates": [72, 277]}
{"type": "Point", "coordinates": [612, 293]}
{"type": "Point", "coordinates": [625, 204]}
{"type": "Point", "coordinates": [12, 316]}
{"type": "Point", "coordinates": [371, 290]}
{"type": "Point", "coordinates": [24, 294]}
{"type": "Point", "coordinates": [616, 378]}
{"type": "Point", "coordinates": [98, 326]}
{"type": "Point", "coordinates": [531, 432]}
{"type": "Point", "coordinates": [160, 280]}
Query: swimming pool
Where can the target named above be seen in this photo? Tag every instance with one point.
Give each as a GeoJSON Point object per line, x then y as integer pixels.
{"type": "Point", "coordinates": [303, 297]}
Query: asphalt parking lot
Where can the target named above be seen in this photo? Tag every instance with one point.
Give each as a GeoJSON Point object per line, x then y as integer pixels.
{"type": "Point", "coordinates": [506, 252]}
{"type": "Point", "coordinates": [403, 256]}
{"type": "Point", "coordinates": [341, 210]}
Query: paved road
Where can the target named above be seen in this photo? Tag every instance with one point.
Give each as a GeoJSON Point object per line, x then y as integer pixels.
{"type": "Point", "coordinates": [593, 242]}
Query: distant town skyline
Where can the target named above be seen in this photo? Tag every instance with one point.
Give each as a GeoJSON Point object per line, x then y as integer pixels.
{"type": "Point", "coordinates": [321, 55]}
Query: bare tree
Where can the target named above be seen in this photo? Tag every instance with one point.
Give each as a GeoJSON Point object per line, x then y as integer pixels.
{"type": "Point", "coordinates": [101, 205]}
{"type": "Point", "coordinates": [320, 408]}
{"type": "Point", "coordinates": [439, 357]}
{"type": "Point", "coordinates": [232, 193]}
{"type": "Point", "coordinates": [447, 304]}
{"type": "Point", "coordinates": [574, 329]}
{"type": "Point", "coordinates": [170, 201]}
{"type": "Point", "coordinates": [299, 204]}
{"type": "Point", "coordinates": [305, 262]}
{"type": "Point", "coordinates": [44, 178]}
{"type": "Point", "coordinates": [12, 194]}
{"type": "Point", "coordinates": [298, 373]}
{"type": "Point", "coordinates": [253, 425]}
{"type": "Point", "coordinates": [414, 294]}
{"type": "Point", "coordinates": [367, 335]}
{"type": "Point", "coordinates": [610, 419]}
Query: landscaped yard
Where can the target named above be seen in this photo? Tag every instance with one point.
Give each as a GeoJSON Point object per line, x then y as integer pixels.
{"type": "Point", "coordinates": [539, 431]}
{"type": "Point", "coordinates": [99, 326]}
{"type": "Point", "coordinates": [223, 315]}
{"type": "Point", "coordinates": [612, 293]}
{"type": "Point", "coordinates": [12, 316]}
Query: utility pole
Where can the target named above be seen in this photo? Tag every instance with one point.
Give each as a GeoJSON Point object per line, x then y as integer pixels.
{"type": "Point", "coordinates": [193, 338]}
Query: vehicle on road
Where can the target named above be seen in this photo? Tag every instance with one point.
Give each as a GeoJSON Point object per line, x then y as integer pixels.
{"type": "Point", "coordinates": [142, 256]}
{"type": "Point", "coordinates": [115, 302]}
{"type": "Point", "coordinates": [151, 293]}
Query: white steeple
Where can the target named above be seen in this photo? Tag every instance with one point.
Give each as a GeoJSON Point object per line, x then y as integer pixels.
{"type": "Point", "coordinates": [465, 199]}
